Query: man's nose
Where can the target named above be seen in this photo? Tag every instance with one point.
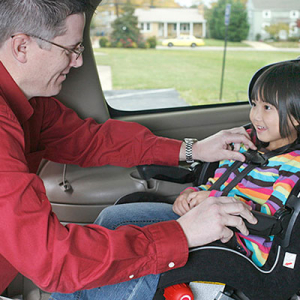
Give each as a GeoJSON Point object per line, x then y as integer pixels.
{"type": "Point", "coordinates": [76, 63]}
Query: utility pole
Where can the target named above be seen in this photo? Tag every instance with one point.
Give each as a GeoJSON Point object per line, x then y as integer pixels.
{"type": "Point", "coordinates": [227, 20]}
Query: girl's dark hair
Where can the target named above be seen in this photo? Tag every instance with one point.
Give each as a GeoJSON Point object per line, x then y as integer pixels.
{"type": "Point", "coordinates": [279, 85]}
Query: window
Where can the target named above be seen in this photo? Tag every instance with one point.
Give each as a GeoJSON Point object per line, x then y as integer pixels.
{"type": "Point", "coordinates": [145, 26]}
{"type": "Point", "coordinates": [293, 29]}
{"type": "Point", "coordinates": [185, 27]}
{"type": "Point", "coordinates": [136, 77]}
{"type": "Point", "coordinates": [294, 14]}
{"type": "Point", "coordinates": [266, 14]}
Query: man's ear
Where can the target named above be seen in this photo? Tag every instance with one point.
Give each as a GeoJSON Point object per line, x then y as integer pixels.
{"type": "Point", "coordinates": [19, 47]}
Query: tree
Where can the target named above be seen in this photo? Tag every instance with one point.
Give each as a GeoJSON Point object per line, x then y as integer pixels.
{"type": "Point", "coordinates": [275, 29]}
{"type": "Point", "coordinates": [125, 29]}
{"type": "Point", "coordinates": [117, 5]}
{"type": "Point", "coordinates": [238, 27]}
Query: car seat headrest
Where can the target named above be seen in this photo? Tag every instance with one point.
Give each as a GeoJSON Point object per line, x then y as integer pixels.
{"type": "Point", "coordinates": [260, 71]}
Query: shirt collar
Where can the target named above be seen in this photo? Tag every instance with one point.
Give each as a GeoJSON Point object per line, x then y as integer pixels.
{"type": "Point", "coordinates": [14, 97]}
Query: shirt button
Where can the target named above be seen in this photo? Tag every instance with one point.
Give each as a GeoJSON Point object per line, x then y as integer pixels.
{"type": "Point", "coordinates": [131, 276]}
{"type": "Point", "coordinates": [171, 264]}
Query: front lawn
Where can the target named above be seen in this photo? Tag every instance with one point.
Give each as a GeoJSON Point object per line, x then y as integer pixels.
{"type": "Point", "coordinates": [196, 75]}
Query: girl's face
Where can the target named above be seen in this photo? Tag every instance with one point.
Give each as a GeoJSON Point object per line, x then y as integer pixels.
{"type": "Point", "coordinates": [265, 119]}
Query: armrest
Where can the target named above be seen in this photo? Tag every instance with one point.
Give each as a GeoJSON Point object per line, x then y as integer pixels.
{"type": "Point", "coordinates": [176, 174]}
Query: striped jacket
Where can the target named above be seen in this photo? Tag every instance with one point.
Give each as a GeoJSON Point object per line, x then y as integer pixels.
{"type": "Point", "coordinates": [266, 189]}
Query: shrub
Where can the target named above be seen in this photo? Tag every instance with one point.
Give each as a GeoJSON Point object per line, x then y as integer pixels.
{"type": "Point", "coordinates": [152, 42]}
{"type": "Point", "coordinates": [103, 42]}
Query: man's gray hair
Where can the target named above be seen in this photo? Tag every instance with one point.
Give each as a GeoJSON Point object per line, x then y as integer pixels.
{"type": "Point", "coordinates": [43, 18]}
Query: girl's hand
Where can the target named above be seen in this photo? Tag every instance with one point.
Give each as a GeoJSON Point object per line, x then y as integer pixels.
{"type": "Point", "coordinates": [187, 200]}
{"type": "Point", "coordinates": [196, 198]}
{"type": "Point", "coordinates": [181, 205]}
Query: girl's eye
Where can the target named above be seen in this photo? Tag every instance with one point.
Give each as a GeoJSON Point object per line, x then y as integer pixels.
{"type": "Point", "coordinates": [253, 104]}
{"type": "Point", "coordinates": [267, 107]}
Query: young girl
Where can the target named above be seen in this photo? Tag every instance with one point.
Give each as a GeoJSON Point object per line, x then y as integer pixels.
{"type": "Point", "coordinates": [275, 116]}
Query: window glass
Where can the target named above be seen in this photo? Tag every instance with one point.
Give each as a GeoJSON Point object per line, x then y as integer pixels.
{"type": "Point", "coordinates": [171, 53]}
{"type": "Point", "coordinates": [266, 14]}
{"type": "Point", "coordinates": [294, 14]}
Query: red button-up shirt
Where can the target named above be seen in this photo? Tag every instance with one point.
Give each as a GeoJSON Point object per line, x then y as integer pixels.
{"type": "Point", "coordinates": [32, 240]}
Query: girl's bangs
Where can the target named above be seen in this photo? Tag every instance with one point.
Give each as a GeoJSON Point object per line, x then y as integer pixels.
{"type": "Point", "coordinates": [265, 90]}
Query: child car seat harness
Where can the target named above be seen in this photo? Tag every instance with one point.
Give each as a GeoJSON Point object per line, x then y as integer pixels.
{"type": "Point", "coordinates": [269, 225]}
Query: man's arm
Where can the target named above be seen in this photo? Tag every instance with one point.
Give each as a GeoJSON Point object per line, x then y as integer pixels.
{"type": "Point", "coordinates": [71, 140]}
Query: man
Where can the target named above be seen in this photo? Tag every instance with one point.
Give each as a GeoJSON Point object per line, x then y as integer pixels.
{"type": "Point", "coordinates": [40, 41]}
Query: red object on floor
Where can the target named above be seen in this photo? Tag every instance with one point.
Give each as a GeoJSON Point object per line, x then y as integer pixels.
{"type": "Point", "coordinates": [179, 291]}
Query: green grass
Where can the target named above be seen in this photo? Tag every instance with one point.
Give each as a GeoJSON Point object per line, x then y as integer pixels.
{"type": "Point", "coordinates": [196, 75]}
{"type": "Point", "coordinates": [217, 43]}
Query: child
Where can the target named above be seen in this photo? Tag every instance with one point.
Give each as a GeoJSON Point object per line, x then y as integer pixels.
{"type": "Point", "coordinates": [275, 118]}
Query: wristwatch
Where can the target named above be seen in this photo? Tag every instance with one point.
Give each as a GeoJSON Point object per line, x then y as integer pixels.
{"type": "Point", "coordinates": [189, 149]}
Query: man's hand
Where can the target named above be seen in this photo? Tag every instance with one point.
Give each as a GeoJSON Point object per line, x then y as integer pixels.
{"type": "Point", "coordinates": [219, 146]}
{"type": "Point", "coordinates": [187, 200]}
{"type": "Point", "coordinates": [208, 221]}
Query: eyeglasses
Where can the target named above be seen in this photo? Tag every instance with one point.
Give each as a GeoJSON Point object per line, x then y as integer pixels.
{"type": "Point", "coordinates": [77, 50]}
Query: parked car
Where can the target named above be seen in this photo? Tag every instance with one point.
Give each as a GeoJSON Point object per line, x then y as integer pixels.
{"type": "Point", "coordinates": [184, 40]}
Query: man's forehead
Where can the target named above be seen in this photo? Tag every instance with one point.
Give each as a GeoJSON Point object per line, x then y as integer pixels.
{"type": "Point", "coordinates": [74, 29]}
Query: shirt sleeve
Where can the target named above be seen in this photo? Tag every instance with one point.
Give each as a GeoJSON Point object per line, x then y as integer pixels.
{"type": "Point", "coordinates": [69, 139]}
{"type": "Point", "coordinates": [68, 258]}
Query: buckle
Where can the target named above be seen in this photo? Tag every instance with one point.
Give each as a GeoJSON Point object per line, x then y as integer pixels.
{"type": "Point", "coordinates": [255, 157]}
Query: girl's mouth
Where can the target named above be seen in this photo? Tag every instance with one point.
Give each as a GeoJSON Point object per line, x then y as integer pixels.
{"type": "Point", "coordinates": [260, 128]}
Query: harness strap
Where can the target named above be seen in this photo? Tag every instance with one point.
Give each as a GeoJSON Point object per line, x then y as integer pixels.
{"type": "Point", "coordinates": [237, 179]}
{"type": "Point", "coordinates": [217, 184]}
{"type": "Point", "coordinates": [253, 159]}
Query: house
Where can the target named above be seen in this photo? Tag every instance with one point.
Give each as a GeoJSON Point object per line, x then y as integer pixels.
{"type": "Point", "coordinates": [171, 22]}
{"type": "Point", "coordinates": [263, 13]}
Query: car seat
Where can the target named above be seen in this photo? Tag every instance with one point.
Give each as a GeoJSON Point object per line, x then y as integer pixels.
{"type": "Point", "coordinates": [277, 279]}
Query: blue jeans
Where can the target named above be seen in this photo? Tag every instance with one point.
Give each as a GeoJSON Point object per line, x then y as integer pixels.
{"type": "Point", "coordinates": [144, 288]}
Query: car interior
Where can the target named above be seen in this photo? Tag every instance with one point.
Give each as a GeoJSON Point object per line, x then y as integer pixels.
{"type": "Point", "coordinates": [79, 194]}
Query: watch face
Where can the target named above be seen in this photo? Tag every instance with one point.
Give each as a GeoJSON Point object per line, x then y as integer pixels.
{"type": "Point", "coordinates": [190, 140]}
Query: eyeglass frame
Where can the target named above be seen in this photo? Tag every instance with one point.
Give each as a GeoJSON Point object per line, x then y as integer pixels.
{"type": "Point", "coordinates": [74, 50]}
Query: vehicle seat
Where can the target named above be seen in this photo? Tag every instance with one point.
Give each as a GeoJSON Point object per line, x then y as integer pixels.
{"type": "Point", "coordinates": [277, 279]}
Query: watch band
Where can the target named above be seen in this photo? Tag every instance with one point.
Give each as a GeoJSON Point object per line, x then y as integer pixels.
{"type": "Point", "coordinates": [189, 149]}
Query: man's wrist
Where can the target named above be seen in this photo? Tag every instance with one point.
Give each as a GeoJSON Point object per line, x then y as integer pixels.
{"type": "Point", "coordinates": [189, 142]}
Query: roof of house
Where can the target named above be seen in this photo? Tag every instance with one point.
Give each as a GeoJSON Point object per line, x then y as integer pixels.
{"type": "Point", "coordinates": [169, 15]}
{"type": "Point", "coordinates": [279, 5]}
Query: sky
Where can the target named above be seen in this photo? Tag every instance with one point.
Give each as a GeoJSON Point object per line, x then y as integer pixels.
{"type": "Point", "coordinates": [190, 2]}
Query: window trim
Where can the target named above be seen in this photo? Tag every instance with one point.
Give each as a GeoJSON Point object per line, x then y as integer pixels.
{"type": "Point", "coordinates": [115, 113]}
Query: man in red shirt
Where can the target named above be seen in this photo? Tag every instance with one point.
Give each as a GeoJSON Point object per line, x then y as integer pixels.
{"type": "Point", "coordinates": [40, 41]}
